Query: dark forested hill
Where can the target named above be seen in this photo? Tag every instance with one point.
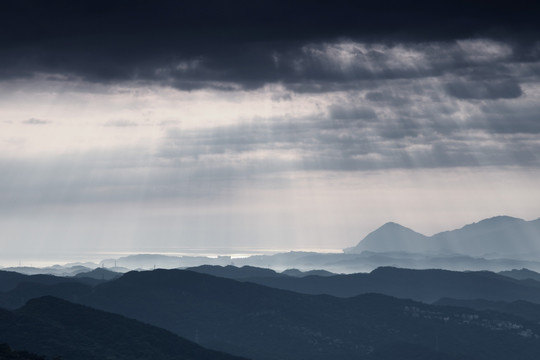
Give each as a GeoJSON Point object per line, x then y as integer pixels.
{"type": "Point", "coordinates": [523, 309]}
{"type": "Point", "coordinates": [7, 353]}
{"type": "Point", "coordinates": [421, 285]}
{"type": "Point", "coordinates": [17, 297]}
{"type": "Point", "coordinates": [522, 274]}
{"type": "Point", "coordinates": [55, 327]}
{"type": "Point", "coordinates": [264, 323]}
{"type": "Point", "coordinates": [10, 280]}
{"type": "Point", "coordinates": [251, 272]}
{"type": "Point", "coordinates": [99, 274]}
{"type": "Point", "coordinates": [237, 273]}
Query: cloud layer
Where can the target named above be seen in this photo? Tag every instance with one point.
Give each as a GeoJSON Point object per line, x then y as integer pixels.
{"type": "Point", "coordinates": [265, 110]}
{"type": "Point", "coordinates": [225, 45]}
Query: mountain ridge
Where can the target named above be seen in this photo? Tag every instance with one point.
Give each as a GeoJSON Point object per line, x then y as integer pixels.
{"type": "Point", "coordinates": [58, 328]}
{"type": "Point", "coordinates": [264, 323]}
{"type": "Point", "coordinates": [492, 237]}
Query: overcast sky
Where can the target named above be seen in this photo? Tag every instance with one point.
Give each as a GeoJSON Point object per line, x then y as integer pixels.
{"type": "Point", "coordinates": [157, 126]}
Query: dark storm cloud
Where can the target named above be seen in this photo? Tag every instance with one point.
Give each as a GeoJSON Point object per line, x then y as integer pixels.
{"type": "Point", "coordinates": [323, 143]}
{"type": "Point", "coordinates": [511, 119]}
{"type": "Point", "coordinates": [384, 97]}
{"type": "Point", "coordinates": [400, 128]}
{"type": "Point", "coordinates": [218, 44]}
{"type": "Point", "coordinates": [340, 112]}
{"type": "Point", "coordinates": [484, 90]}
{"type": "Point", "coordinates": [265, 134]}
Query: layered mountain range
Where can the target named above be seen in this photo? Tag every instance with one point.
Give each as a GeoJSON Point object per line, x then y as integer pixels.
{"type": "Point", "coordinates": [265, 323]}
{"type": "Point", "coordinates": [500, 236]}
{"type": "Point", "coordinates": [264, 314]}
{"type": "Point", "coordinates": [496, 244]}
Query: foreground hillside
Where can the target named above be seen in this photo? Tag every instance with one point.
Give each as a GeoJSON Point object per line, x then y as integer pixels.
{"type": "Point", "coordinates": [57, 328]}
{"type": "Point", "coordinates": [7, 353]}
{"type": "Point", "coordinates": [263, 323]}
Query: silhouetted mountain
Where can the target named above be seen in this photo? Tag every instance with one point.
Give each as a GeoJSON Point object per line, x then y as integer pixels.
{"type": "Point", "coordinates": [498, 236]}
{"type": "Point", "coordinates": [298, 273]}
{"type": "Point", "coordinates": [332, 262]}
{"type": "Point", "coordinates": [392, 237]}
{"type": "Point", "coordinates": [56, 270]}
{"type": "Point", "coordinates": [144, 261]}
{"type": "Point", "coordinates": [502, 235]}
{"type": "Point", "coordinates": [368, 260]}
{"type": "Point", "coordinates": [233, 272]}
{"type": "Point", "coordinates": [264, 323]}
{"type": "Point", "coordinates": [421, 285]}
{"type": "Point", "coordinates": [7, 353]}
{"type": "Point", "coordinates": [522, 274]}
{"type": "Point", "coordinates": [523, 309]}
{"type": "Point", "coordinates": [71, 291]}
{"type": "Point", "coordinates": [10, 280]}
{"type": "Point", "coordinates": [100, 274]}
{"type": "Point", "coordinates": [55, 327]}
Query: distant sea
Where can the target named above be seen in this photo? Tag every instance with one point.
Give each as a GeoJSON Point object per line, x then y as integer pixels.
{"type": "Point", "coordinates": [48, 259]}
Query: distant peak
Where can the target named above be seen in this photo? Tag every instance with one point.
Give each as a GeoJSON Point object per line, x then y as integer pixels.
{"type": "Point", "coordinates": [394, 225]}
{"type": "Point", "coordinates": [391, 223]}
{"type": "Point", "coordinates": [501, 219]}
{"type": "Point", "coordinates": [389, 237]}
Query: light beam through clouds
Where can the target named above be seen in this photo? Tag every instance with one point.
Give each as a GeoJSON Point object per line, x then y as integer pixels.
{"type": "Point", "coordinates": [308, 142]}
